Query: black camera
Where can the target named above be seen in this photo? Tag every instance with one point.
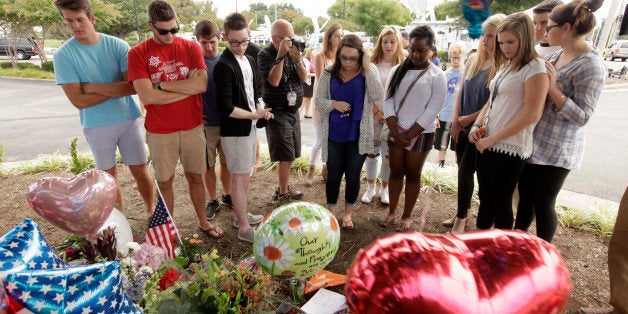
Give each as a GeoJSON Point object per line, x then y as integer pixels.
{"type": "Point", "coordinates": [299, 44]}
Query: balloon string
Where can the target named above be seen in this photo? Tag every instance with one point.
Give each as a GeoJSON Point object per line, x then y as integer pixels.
{"type": "Point", "coordinates": [429, 195]}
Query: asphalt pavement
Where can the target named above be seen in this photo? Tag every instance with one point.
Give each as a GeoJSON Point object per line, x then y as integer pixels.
{"type": "Point", "coordinates": [36, 118]}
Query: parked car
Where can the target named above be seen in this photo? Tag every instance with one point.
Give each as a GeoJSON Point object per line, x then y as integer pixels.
{"type": "Point", "coordinates": [619, 49]}
{"type": "Point", "coordinates": [26, 48]}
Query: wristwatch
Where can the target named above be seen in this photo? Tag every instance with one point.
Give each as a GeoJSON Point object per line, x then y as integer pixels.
{"type": "Point", "coordinates": [158, 85]}
{"type": "Point", "coordinates": [300, 63]}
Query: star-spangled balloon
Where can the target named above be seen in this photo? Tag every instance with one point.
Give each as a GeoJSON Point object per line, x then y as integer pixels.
{"type": "Point", "coordinates": [24, 248]}
{"type": "Point", "coordinates": [95, 288]}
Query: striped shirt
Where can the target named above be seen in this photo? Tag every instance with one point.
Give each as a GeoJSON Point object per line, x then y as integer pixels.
{"type": "Point", "coordinates": [560, 134]}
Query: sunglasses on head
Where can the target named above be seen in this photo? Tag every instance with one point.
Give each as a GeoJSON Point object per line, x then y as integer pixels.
{"type": "Point", "coordinates": [162, 31]}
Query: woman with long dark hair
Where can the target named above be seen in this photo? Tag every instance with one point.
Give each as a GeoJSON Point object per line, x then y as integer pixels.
{"type": "Point", "coordinates": [415, 93]}
{"type": "Point", "coordinates": [344, 97]}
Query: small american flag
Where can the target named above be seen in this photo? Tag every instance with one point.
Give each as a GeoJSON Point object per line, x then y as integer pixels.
{"type": "Point", "coordinates": [161, 229]}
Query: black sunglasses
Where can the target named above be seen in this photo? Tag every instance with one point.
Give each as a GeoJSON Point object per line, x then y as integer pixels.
{"type": "Point", "coordinates": [162, 31]}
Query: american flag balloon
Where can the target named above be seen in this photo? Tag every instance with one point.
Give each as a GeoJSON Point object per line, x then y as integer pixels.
{"type": "Point", "coordinates": [24, 248]}
{"type": "Point", "coordinates": [95, 288]}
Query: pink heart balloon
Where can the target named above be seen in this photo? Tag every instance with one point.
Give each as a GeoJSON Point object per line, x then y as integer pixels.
{"type": "Point", "coordinates": [491, 271]}
{"type": "Point", "coordinates": [79, 205]}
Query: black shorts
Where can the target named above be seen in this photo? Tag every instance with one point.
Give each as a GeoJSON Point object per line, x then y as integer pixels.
{"type": "Point", "coordinates": [442, 137]}
{"type": "Point", "coordinates": [283, 134]}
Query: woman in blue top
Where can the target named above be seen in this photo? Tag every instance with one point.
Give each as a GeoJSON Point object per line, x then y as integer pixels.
{"type": "Point", "coordinates": [344, 97]}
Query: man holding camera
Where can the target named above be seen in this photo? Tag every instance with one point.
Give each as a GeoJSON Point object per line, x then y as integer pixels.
{"type": "Point", "coordinates": [283, 72]}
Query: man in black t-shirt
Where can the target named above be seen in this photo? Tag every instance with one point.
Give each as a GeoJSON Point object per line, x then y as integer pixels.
{"type": "Point", "coordinates": [283, 72]}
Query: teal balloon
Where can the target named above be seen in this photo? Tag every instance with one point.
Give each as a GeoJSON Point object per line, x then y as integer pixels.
{"type": "Point", "coordinates": [475, 12]}
{"type": "Point", "coordinates": [296, 240]}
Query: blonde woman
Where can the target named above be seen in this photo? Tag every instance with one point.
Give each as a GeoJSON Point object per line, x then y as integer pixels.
{"type": "Point", "coordinates": [325, 58]}
{"type": "Point", "coordinates": [473, 95]}
{"type": "Point", "coordinates": [518, 90]}
{"type": "Point", "coordinates": [388, 52]}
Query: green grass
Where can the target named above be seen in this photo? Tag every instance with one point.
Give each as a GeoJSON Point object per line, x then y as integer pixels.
{"type": "Point", "coordinates": [28, 73]}
{"type": "Point", "coordinates": [43, 163]}
{"type": "Point", "coordinates": [54, 43]}
{"type": "Point", "coordinates": [598, 219]}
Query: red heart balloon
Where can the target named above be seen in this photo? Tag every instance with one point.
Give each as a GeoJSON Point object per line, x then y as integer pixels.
{"type": "Point", "coordinates": [79, 205]}
{"type": "Point", "coordinates": [492, 271]}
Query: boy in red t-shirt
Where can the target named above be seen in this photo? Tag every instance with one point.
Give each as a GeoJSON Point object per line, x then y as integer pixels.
{"type": "Point", "coordinates": [169, 75]}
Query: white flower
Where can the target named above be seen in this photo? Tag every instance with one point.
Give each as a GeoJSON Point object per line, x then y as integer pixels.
{"type": "Point", "coordinates": [146, 269]}
{"type": "Point", "coordinates": [294, 223]}
{"type": "Point", "coordinates": [133, 246]}
{"type": "Point", "coordinates": [274, 253]}
{"type": "Point", "coordinates": [128, 262]}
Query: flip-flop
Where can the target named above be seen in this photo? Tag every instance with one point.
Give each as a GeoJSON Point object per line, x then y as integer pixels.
{"type": "Point", "coordinates": [348, 224]}
{"type": "Point", "coordinates": [213, 232]}
{"type": "Point", "coordinates": [404, 225]}
{"type": "Point", "coordinates": [386, 222]}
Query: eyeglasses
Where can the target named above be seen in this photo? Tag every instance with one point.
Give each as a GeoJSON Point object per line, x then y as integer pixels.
{"type": "Point", "coordinates": [351, 60]}
{"type": "Point", "coordinates": [235, 43]}
{"type": "Point", "coordinates": [549, 28]}
{"type": "Point", "coordinates": [162, 31]}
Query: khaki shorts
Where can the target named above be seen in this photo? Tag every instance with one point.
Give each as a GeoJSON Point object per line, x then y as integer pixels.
{"type": "Point", "coordinates": [212, 136]}
{"type": "Point", "coordinates": [240, 152]}
{"type": "Point", "coordinates": [166, 149]}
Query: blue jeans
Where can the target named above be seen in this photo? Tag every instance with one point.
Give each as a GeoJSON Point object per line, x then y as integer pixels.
{"type": "Point", "coordinates": [343, 158]}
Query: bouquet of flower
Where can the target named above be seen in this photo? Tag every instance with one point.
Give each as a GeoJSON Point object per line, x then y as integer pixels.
{"type": "Point", "coordinates": [222, 286]}
{"type": "Point", "coordinates": [190, 250]}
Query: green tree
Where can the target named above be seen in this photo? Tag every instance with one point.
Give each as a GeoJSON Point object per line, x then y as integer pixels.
{"type": "Point", "coordinates": [126, 22]}
{"type": "Point", "coordinates": [362, 13]}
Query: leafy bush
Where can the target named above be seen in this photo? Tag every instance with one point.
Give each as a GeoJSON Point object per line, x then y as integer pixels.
{"type": "Point", "coordinates": [21, 65]}
{"type": "Point", "coordinates": [443, 56]}
{"type": "Point", "coordinates": [1, 152]}
{"type": "Point", "coordinates": [6, 65]}
{"type": "Point", "coordinates": [80, 162]}
{"type": "Point", "coordinates": [48, 66]}
{"type": "Point", "coordinates": [29, 73]}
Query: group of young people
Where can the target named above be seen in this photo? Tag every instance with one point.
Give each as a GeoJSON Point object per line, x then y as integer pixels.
{"type": "Point", "coordinates": [199, 104]}
{"type": "Point", "coordinates": [516, 112]}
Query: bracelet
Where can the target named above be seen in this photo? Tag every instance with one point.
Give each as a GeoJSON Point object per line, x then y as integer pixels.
{"type": "Point", "coordinates": [459, 124]}
{"type": "Point", "coordinates": [562, 97]}
{"type": "Point", "coordinates": [477, 125]}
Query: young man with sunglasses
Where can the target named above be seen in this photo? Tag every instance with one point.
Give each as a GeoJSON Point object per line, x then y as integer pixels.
{"type": "Point", "coordinates": [236, 75]}
{"type": "Point", "coordinates": [169, 75]}
{"type": "Point", "coordinates": [109, 116]}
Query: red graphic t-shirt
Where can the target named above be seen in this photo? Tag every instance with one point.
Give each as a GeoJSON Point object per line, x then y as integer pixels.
{"type": "Point", "coordinates": [168, 63]}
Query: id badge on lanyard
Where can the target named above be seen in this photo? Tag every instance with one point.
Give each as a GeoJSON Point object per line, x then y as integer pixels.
{"type": "Point", "coordinates": [292, 98]}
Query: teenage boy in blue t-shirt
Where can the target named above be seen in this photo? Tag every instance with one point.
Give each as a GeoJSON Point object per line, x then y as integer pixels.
{"type": "Point", "coordinates": [446, 114]}
{"type": "Point", "coordinates": [91, 68]}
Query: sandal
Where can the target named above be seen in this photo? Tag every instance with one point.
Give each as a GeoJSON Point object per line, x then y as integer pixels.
{"type": "Point", "coordinates": [386, 221]}
{"type": "Point", "coordinates": [347, 224]}
{"type": "Point", "coordinates": [404, 225]}
{"type": "Point", "coordinates": [213, 232]}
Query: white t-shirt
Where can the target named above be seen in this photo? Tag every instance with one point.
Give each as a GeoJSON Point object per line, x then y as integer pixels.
{"type": "Point", "coordinates": [545, 51]}
{"type": "Point", "coordinates": [247, 74]}
{"type": "Point", "coordinates": [508, 105]}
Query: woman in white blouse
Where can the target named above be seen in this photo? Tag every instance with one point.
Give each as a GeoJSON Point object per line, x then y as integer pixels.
{"type": "Point", "coordinates": [502, 133]}
{"type": "Point", "coordinates": [415, 93]}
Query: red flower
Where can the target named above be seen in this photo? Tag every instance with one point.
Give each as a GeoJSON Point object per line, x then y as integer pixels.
{"type": "Point", "coordinates": [168, 279]}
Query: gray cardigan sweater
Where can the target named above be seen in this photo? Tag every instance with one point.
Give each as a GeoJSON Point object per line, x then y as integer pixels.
{"type": "Point", "coordinates": [374, 92]}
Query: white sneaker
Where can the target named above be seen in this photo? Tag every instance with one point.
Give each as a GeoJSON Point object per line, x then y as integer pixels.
{"type": "Point", "coordinates": [383, 195]}
{"type": "Point", "coordinates": [368, 194]}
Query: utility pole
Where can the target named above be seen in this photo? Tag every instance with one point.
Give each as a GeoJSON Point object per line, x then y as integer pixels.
{"type": "Point", "coordinates": [137, 23]}
{"type": "Point", "coordinates": [607, 30]}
